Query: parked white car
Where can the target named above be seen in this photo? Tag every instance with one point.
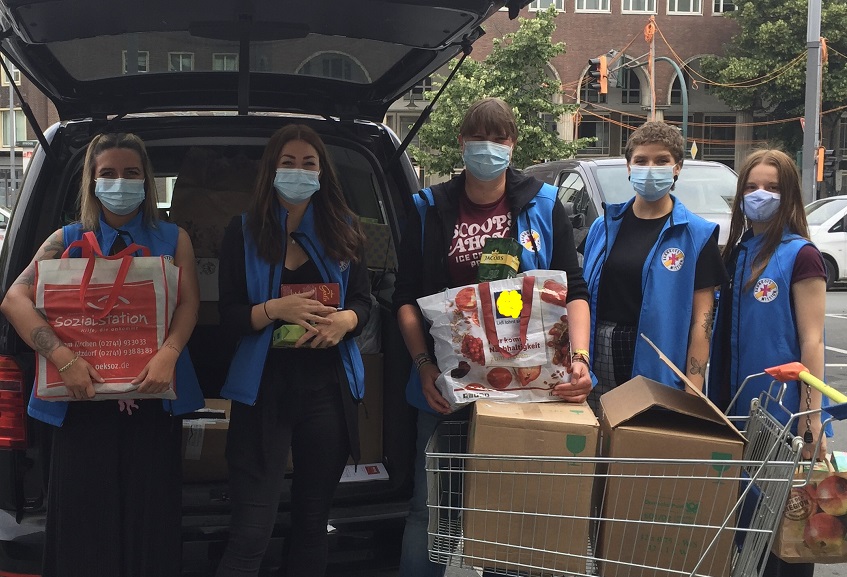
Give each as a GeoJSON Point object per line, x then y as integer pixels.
{"type": "Point", "coordinates": [5, 213]}
{"type": "Point", "coordinates": [828, 230]}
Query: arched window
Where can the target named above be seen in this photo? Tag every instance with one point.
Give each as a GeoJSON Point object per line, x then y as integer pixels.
{"type": "Point", "coordinates": [334, 65]}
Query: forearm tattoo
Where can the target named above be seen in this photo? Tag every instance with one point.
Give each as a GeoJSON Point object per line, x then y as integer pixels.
{"type": "Point", "coordinates": [696, 367]}
{"type": "Point", "coordinates": [44, 340]}
{"type": "Point", "coordinates": [709, 323]}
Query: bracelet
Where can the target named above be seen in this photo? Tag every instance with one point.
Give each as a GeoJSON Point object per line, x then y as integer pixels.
{"type": "Point", "coordinates": [265, 308]}
{"type": "Point", "coordinates": [579, 356]}
{"type": "Point", "coordinates": [421, 359]}
{"type": "Point", "coordinates": [169, 345]}
{"type": "Point", "coordinates": [70, 364]}
{"type": "Point", "coordinates": [581, 352]}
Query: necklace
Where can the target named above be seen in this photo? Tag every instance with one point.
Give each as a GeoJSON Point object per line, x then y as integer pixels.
{"type": "Point", "coordinates": [291, 238]}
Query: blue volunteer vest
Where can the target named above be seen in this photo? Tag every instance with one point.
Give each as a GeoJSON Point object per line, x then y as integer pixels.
{"type": "Point", "coordinates": [534, 223]}
{"type": "Point", "coordinates": [263, 283]}
{"type": "Point", "coordinates": [769, 336]}
{"type": "Point", "coordinates": [161, 241]}
{"type": "Point", "coordinates": [667, 283]}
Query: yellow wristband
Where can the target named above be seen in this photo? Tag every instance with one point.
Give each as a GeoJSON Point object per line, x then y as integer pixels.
{"type": "Point", "coordinates": [582, 352]}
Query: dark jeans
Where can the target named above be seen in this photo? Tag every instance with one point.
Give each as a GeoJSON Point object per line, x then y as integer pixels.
{"type": "Point", "coordinates": [311, 421]}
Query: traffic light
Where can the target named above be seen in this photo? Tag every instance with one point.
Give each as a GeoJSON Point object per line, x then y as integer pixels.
{"type": "Point", "coordinates": [598, 71]}
{"type": "Point", "coordinates": [826, 164]}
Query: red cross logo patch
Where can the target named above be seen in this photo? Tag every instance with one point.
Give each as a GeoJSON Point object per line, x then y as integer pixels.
{"type": "Point", "coordinates": [672, 259]}
{"type": "Point", "coordinates": [526, 240]}
{"type": "Point", "coordinates": [765, 290]}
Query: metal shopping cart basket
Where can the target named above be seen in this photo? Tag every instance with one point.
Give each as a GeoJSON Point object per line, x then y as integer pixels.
{"type": "Point", "coordinates": [588, 516]}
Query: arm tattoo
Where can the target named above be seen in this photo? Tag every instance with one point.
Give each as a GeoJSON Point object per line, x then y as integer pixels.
{"type": "Point", "coordinates": [708, 322]}
{"type": "Point", "coordinates": [27, 277]}
{"type": "Point", "coordinates": [45, 340]}
{"type": "Point", "coordinates": [695, 367]}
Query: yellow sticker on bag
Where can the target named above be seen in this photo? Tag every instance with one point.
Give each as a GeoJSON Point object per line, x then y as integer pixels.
{"type": "Point", "coordinates": [509, 304]}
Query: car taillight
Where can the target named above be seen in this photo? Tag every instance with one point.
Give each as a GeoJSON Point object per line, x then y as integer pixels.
{"type": "Point", "coordinates": [12, 405]}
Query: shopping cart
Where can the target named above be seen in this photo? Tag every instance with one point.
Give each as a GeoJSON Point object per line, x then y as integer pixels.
{"type": "Point", "coordinates": [480, 516]}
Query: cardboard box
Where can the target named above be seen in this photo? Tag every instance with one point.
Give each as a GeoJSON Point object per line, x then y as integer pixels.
{"type": "Point", "coordinates": [204, 443]}
{"type": "Point", "coordinates": [540, 515]}
{"type": "Point", "coordinates": [644, 419]}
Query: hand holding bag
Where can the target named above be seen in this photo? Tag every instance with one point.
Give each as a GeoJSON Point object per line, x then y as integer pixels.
{"type": "Point", "coordinates": [113, 311]}
{"type": "Point", "coordinates": [505, 339]}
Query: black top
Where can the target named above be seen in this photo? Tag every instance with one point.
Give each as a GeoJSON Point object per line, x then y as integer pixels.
{"type": "Point", "coordinates": [235, 305]}
{"type": "Point", "coordinates": [425, 272]}
{"type": "Point", "coordinates": [619, 298]}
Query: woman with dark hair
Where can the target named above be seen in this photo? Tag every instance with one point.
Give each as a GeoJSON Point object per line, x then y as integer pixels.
{"type": "Point", "coordinates": [115, 468]}
{"type": "Point", "coordinates": [298, 229]}
{"type": "Point", "coordinates": [772, 309]}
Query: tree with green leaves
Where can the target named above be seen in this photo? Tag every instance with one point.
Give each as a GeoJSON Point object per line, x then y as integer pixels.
{"type": "Point", "coordinates": [516, 71]}
{"type": "Point", "coordinates": [764, 67]}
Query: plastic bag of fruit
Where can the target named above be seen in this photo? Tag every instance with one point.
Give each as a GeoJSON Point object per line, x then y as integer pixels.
{"type": "Point", "coordinates": [814, 521]}
{"type": "Point", "coordinates": [505, 339]}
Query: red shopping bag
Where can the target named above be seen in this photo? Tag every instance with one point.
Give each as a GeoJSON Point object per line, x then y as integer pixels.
{"type": "Point", "coordinates": [113, 311]}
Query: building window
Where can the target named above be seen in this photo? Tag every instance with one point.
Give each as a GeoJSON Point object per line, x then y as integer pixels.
{"type": "Point", "coordinates": [722, 6]}
{"type": "Point", "coordinates": [16, 74]}
{"type": "Point", "coordinates": [719, 138]}
{"type": "Point", "coordinates": [225, 62]}
{"type": "Point", "coordinates": [684, 7]}
{"type": "Point", "coordinates": [539, 5]}
{"type": "Point", "coordinates": [20, 127]}
{"type": "Point", "coordinates": [143, 62]}
{"type": "Point", "coordinates": [592, 6]}
{"type": "Point", "coordinates": [180, 61]}
{"type": "Point", "coordinates": [628, 126]}
{"type": "Point", "coordinates": [676, 88]}
{"type": "Point", "coordinates": [334, 65]}
{"type": "Point", "coordinates": [630, 86]}
{"type": "Point", "coordinates": [594, 127]}
{"type": "Point", "coordinates": [648, 6]}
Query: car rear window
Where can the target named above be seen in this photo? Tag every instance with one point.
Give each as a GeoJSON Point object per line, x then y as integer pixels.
{"type": "Point", "coordinates": [700, 188]}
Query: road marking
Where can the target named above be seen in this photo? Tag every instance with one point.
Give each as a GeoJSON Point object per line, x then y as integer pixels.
{"type": "Point", "coordinates": [834, 350]}
{"type": "Point", "coordinates": [836, 366]}
{"type": "Point", "coordinates": [843, 317]}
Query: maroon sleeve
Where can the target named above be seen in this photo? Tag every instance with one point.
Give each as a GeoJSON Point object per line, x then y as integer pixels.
{"type": "Point", "coordinates": [808, 264]}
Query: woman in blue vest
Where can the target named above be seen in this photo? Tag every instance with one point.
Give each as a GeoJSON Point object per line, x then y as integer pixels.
{"type": "Point", "coordinates": [298, 229]}
{"type": "Point", "coordinates": [441, 248]}
{"type": "Point", "coordinates": [652, 267]}
{"type": "Point", "coordinates": [772, 309]}
{"type": "Point", "coordinates": [114, 497]}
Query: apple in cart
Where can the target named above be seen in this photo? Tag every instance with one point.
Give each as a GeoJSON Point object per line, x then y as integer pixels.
{"type": "Point", "coordinates": [823, 533]}
{"type": "Point", "coordinates": [832, 495]}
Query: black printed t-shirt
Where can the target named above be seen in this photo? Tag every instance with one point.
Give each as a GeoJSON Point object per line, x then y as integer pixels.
{"type": "Point", "coordinates": [620, 297]}
{"type": "Point", "coordinates": [476, 223]}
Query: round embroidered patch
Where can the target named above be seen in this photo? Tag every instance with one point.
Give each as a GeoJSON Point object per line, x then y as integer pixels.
{"type": "Point", "coordinates": [765, 290]}
{"type": "Point", "coordinates": [526, 240]}
{"type": "Point", "coordinates": [672, 259]}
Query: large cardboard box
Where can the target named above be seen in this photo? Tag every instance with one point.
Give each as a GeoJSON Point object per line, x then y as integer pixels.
{"type": "Point", "coordinates": [538, 516]}
{"type": "Point", "coordinates": [643, 419]}
{"type": "Point", "coordinates": [204, 443]}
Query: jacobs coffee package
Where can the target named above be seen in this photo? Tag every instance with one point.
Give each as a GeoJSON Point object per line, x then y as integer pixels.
{"type": "Point", "coordinates": [327, 293]}
{"type": "Point", "coordinates": [500, 259]}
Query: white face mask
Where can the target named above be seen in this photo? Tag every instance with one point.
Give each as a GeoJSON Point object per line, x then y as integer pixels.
{"type": "Point", "coordinates": [760, 205]}
{"type": "Point", "coordinates": [119, 195]}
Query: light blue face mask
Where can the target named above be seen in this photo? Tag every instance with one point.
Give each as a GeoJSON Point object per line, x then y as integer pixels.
{"type": "Point", "coordinates": [760, 205]}
{"type": "Point", "coordinates": [296, 185]}
{"type": "Point", "coordinates": [486, 160]}
{"type": "Point", "coordinates": [119, 195]}
{"type": "Point", "coordinates": [651, 182]}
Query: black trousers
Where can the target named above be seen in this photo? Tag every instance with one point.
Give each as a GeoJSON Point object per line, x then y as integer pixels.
{"type": "Point", "coordinates": [115, 493]}
{"type": "Point", "coordinates": [309, 419]}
